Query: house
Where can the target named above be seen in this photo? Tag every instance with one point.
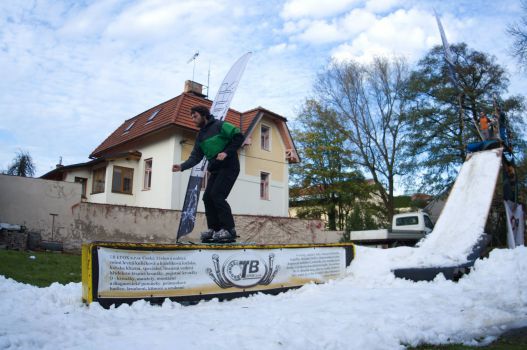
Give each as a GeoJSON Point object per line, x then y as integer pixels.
{"type": "Point", "coordinates": [133, 165]}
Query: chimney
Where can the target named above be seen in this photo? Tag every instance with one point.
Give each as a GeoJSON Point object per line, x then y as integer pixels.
{"type": "Point", "coordinates": [194, 88]}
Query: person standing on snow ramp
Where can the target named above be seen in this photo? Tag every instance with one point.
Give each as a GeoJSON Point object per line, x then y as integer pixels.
{"type": "Point", "coordinates": [219, 142]}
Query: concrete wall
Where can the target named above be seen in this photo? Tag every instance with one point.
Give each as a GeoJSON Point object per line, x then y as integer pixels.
{"type": "Point", "coordinates": [104, 222]}
{"type": "Point", "coordinates": [29, 202]}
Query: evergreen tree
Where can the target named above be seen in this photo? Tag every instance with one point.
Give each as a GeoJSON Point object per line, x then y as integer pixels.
{"type": "Point", "coordinates": [444, 116]}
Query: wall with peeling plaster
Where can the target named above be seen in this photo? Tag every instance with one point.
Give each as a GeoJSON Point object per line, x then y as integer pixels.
{"type": "Point", "coordinates": [29, 202]}
{"type": "Point", "coordinates": [104, 222]}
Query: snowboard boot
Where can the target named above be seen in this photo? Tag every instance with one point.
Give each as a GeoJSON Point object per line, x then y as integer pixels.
{"type": "Point", "coordinates": [206, 237]}
{"type": "Point", "coordinates": [224, 236]}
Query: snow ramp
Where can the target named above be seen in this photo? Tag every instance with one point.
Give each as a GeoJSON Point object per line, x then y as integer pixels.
{"type": "Point", "coordinates": [460, 227]}
{"type": "Point", "coordinates": [463, 218]}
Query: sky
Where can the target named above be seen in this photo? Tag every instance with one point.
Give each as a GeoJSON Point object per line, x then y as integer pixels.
{"type": "Point", "coordinates": [73, 71]}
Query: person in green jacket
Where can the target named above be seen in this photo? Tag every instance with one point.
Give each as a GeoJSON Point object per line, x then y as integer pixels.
{"type": "Point", "coordinates": [219, 141]}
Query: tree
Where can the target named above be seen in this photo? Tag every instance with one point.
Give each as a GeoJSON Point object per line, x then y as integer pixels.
{"type": "Point", "coordinates": [370, 101]}
{"type": "Point", "coordinates": [443, 116]}
{"type": "Point", "coordinates": [518, 31]}
{"type": "Point", "coordinates": [326, 182]}
{"type": "Point", "coordinates": [521, 179]}
{"type": "Point", "coordinates": [22, 165]}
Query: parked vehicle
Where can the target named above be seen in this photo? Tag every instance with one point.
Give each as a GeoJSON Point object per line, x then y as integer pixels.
{"type": "Point", "coordinates": [407, 229]}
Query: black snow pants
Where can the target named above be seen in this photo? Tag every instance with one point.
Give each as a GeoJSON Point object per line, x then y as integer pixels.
{"type": "Point", "coordinates": [219, 185]}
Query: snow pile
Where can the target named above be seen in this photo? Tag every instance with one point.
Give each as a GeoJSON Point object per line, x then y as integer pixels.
{"type": "Point", "coordinates": [368, 309]}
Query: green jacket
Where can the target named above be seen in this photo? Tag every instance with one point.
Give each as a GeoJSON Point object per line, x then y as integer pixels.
{"type": "Point", "coordinates": [215, 137]}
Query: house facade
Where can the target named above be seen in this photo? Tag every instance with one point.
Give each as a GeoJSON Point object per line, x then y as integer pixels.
{"type": "Point", "coordinates": [133, 166]}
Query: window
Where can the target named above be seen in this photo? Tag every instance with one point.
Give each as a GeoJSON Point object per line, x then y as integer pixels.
{"type": "Point", "coordinates": [129, 127]}
{"type": "Point", "coordinates": [428, 222]}
{"type": "Point", "coordinates": [264, 185]}
{"type": "Point", "coordinates": [83, 181]}
{"type": "Point", "coordinates": [122, 180]}
{"type": "Point", "coordinates": [99, 176]}
{"type": "Point", "coordinates": [147, 183]}
{"type": "Point", "coordinates": [409, 220]}
{"type": "Point", "coordinates": [265, 134]}
{"type": "Point", "coordinates": [153, 115]}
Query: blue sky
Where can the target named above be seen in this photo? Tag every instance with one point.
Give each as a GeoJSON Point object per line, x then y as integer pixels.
{"type": "Point", "coordinates": [72, 71]}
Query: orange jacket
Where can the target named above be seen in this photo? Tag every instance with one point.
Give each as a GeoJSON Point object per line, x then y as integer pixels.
{"type": "Point", "coordinates": [484, 122]}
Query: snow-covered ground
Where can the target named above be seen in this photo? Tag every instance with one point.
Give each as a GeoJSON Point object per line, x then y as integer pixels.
{"type": "Point", "coordinates": [368, 309]}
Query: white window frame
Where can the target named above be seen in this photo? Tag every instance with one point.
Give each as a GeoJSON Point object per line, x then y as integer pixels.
{"type": "Point", "coordinates": [265, 186]}
{"type": "Point", "coordinates": [147, 175]}
{"type": "Point", "coordinates": [263, 146]}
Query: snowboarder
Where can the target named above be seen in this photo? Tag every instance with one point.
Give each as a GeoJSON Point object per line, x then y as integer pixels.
{"type": "Point", "coordinates": [219, 142]}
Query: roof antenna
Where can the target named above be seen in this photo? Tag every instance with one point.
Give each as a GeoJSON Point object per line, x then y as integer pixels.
{"type": "Point", "coordinates": [59, 165]}
{"type": "Point", "coordinates": [193, 58]}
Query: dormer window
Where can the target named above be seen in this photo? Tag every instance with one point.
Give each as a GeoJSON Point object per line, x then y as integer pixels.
{"type": "Point", "coordinates": [153, 115]}
{"type": "Point", "coordinates": [265, 134]}
{"type": "Point", "coordinates": [129, 127]}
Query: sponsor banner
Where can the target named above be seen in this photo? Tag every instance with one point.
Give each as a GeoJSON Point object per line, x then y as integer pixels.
{"type": "Point", "coordinates": [224, 96]}
{"type": "Point", "coordinates": [125, 273]}
{"type": "Point", "coordinates": [515, 224]}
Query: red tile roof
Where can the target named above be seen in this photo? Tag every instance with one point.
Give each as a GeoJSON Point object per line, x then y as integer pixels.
{"type": "Point", "coordinates": [176, 112]}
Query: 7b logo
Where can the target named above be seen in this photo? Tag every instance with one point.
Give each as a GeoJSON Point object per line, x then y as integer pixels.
{"type": "Point", "coordinates": [249, 266]}
{"type": "Point", "coordinates": [242, 270]}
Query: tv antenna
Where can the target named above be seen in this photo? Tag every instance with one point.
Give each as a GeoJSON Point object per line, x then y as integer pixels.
{"type": "Point", "coordinates": [193, 58]}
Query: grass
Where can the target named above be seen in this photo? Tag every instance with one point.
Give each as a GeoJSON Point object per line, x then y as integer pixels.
{"type": "Point", "coordinates": [46, 268]}
{"type": "Point", "coordinates": [40, 268]}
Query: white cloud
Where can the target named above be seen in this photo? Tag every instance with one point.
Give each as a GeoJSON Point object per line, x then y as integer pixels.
{"type": "Point", "coordinates": [280, 48]}
{"type": "Point", "coordinates": [157, 20]}
{"type": "Point", "coordinates": [293, 27]}
{"type": "Point", "coordinates": [320, 31]}
{"type": "Point", "coordinates": [381, 5]}
{"type": "Point", "coordinates": [82, 23]}
{"type": "Point", "coordinates": [333, 30]}
{"type": "Point", "coordinates": [356, 21]}
{"type": "Point", "coordinates": [294, 9]}
{"type": "Point", "coordinates": [405, 32]}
